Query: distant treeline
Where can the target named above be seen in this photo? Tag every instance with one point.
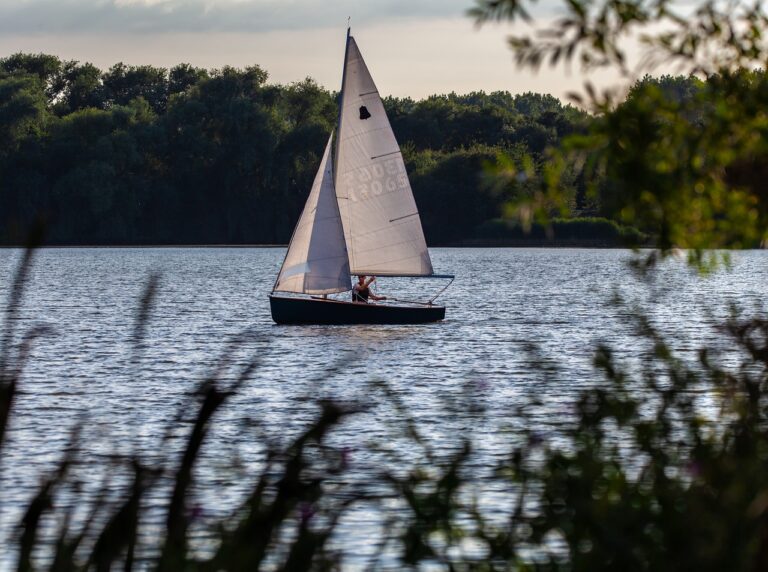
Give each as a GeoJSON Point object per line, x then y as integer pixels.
{"type": "Point", "coordinates": [146, 155]}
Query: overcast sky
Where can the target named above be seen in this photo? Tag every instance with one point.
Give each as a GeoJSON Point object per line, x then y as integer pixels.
{"type": "Point", "coordinates": [413, 47]}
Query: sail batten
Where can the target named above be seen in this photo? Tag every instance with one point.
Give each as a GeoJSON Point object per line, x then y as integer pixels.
{"type": "Point", "coordinates": [382, 228]}
{"type": "Point", "coordinates": [317, 261]}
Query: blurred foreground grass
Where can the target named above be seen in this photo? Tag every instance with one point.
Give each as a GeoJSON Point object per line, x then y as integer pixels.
{"type": "Point", "coordinates": [663, 466]}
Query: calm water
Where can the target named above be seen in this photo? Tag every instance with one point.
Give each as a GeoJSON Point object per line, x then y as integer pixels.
{"type": "Point", "coordinates": [503, 303]}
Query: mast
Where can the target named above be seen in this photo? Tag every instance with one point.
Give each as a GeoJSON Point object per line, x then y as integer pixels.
{"type": "Point", "coordinates": [341, 107]}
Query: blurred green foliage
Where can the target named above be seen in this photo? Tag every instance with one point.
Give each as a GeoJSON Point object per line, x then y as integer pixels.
{"type": "Point", "coordinates": [682, 158]}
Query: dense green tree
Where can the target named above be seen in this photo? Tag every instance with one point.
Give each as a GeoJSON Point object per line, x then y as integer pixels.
{"type": "Point", "coordinates": [306, 102]}
{"type": "Point", "coordinates": [453, 121]}
{"type": "Point", "coordinates": [95, 173]}
{"type": "Point", "coordinates": [139, 154]}
{"type": "Point", "coordinates": [222, 140]}
{"type": "Point", "coordinates": [22, 111]}
{"type": "Point", "coordinates": [451, 197]}
{"type": "Point", "coordinates": [676, 88]}
{"type": "Point", "coordinates": [123, 83]}
{"type": "Point", "coordinates": [184, 76]}
{"type": "Point", "coordinates": [79, 87]}
{"type": "Point", "coordinates": [23, 121]}
{"type": "Point", "coordinates": [45, 67]}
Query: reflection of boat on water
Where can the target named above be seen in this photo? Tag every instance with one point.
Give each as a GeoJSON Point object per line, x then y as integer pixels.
{"type": "Point", "coordinates": [360, 218]}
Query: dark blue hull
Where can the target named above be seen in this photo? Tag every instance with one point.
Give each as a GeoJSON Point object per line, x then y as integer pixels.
{"type": "Point", "coordinates": [287, 310]}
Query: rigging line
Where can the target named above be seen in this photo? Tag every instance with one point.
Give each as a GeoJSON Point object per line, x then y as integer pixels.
{"type": "Point", "coordinates": [402, 217]}
{"type": "Point", "coordinates": [386, 154]}
{"type": "Point", "coordinates": [433, 298]}
{"type": "Point", "coordinates": [403, 275]}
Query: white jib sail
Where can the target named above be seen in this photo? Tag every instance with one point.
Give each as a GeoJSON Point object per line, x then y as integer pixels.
{"type": "Point", "coordinates": [381, 223]}
{"type": "Point", "coordinates": [316, 262]}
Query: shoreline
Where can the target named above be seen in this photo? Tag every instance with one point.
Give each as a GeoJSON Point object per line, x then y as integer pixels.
{"type": "Point", "coordinates": [565, 245]}
{"type": "Point", "coordinates": [463, 244]}
{"type": "Point", "coordinates": [468, 243]}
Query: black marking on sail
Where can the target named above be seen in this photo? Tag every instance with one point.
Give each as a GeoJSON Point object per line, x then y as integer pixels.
{"type": "Point", "coordinates": [402, 217]}
{"type": "Point", "coordinates": [364, 113]}
{"type": "Point", "coordinates": [385, 155]}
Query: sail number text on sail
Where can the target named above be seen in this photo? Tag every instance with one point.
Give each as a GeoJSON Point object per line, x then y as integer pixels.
{"type": "Point", "coordinates": [387, 176]}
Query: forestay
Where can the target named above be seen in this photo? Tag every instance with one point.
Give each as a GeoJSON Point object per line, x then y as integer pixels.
{"type": "Point", "coordinates": [316, 262]}
{"type": "Point", "coordinates": [381, 224]}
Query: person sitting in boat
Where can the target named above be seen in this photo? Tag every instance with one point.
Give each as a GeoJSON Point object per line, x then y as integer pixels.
{"type": "Point", "coordinates": [361, 292]}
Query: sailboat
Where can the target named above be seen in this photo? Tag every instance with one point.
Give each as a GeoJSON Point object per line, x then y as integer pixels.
{"type": "Point", "coordinates": [360, 219]}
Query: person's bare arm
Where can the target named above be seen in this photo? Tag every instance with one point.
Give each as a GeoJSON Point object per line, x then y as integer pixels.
{"type": "Point", "coordinates": [371, 295]}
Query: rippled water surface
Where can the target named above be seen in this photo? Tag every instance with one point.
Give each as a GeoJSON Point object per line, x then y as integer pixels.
{"type": "Point", "coordinates": [509, 312]}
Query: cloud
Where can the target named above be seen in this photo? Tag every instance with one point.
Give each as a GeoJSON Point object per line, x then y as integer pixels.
{"type": "Point", "coordinates": [19, 17]}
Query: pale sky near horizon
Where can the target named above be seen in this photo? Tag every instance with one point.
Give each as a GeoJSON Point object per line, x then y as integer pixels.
{"type": "Point", "coordinates": [414, 48]}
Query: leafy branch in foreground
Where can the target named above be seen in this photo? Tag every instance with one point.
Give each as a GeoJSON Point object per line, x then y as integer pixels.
{"type": "Point", "coordinates": [705, 37]}
{"type": "Point", "coordinates": [684, 165]}
{"type": "Point", "coordinates": [664, 468]}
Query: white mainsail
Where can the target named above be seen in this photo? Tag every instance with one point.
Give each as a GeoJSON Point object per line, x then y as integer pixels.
{"type": "Point", "coordinates": [317, 262]}
{"type": "Point", "coordinates": [382, 227]}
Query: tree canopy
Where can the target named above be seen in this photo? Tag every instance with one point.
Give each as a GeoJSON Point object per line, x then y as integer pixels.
{"type": "Point", "coordinates": [146, 155]}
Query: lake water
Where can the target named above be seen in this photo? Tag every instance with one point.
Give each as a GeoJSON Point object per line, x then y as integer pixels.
{"type": "Point", "coordinates": [509, 312]}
